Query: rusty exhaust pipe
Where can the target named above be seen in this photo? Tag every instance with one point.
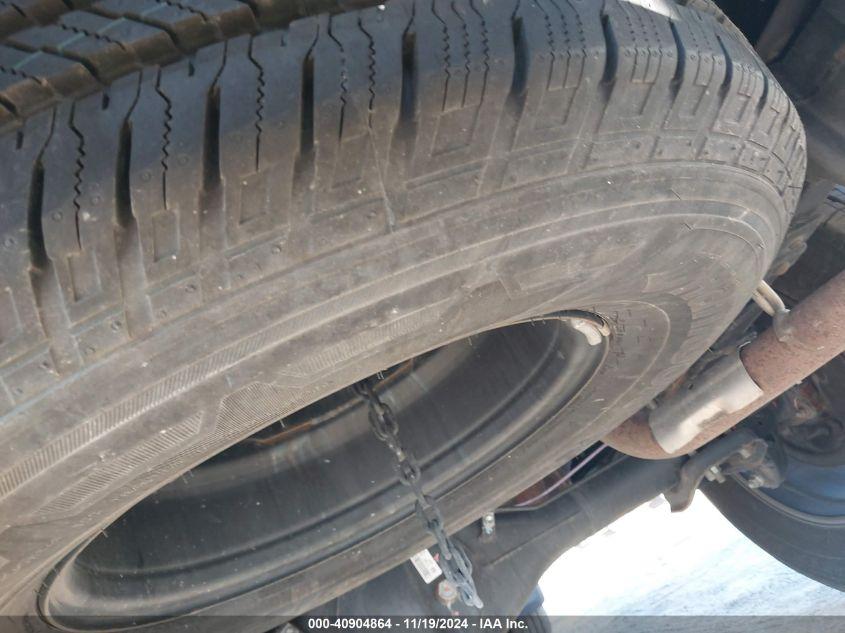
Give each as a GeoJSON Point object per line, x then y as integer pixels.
{"type": "Point", "coordinates": [816, 329]}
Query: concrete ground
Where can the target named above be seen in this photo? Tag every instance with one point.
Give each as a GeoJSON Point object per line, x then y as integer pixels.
{"type": "Point", "coordinates": [653, 562]}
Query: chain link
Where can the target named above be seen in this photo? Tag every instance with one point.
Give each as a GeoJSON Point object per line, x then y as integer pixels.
{"type": "Point", "coordinates": [455, 563]}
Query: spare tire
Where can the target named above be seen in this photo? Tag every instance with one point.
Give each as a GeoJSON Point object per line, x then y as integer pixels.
{"type": "Point", "coordinates": [212, 218]}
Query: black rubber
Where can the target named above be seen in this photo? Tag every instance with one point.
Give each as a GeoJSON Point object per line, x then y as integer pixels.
{"type": "Point", "coordinates": [811, 544]}
{"type": "Point", "coordinates": [208, 222]}
{"type": "Point", "coordinates": [54, 49]}
{"type": "Point", "coordinates": [802, 522]}
{"type": "Point", "coordinates": [171, 554]}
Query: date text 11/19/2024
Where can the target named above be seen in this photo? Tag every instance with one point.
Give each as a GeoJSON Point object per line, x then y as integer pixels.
{"type": "Point", "coordinates": [422, 623]}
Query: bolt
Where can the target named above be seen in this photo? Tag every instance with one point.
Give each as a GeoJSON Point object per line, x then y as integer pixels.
{"type": "Point", "coordinates": [756, 481]}
{"type": "Point", "coordinates": [488, 524]}
{"type": "Point", "coordinates": [714, 473]}
{"type": "Point", "coordinates": [447, 593]}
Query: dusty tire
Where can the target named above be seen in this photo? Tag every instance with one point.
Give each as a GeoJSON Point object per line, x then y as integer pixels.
{"type": "Point", "coordinates": [190, 250]}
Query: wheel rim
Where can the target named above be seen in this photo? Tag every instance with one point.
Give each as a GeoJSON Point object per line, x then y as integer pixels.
{"type": "Point", "coordinates": [813, 443]}
{"type": "Point", "coordinates": [810, 493]}
{"type": "Point", "coordinates": [299, 491]}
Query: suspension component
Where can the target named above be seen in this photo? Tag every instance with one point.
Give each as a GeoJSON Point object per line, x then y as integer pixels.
{"type": "Point", "coordinates": [739, 453]}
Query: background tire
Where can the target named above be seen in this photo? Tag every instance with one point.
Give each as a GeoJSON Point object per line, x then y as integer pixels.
{"type": "Point", "coordinates": [811, 544]}
{"type": "Point", "coordinates": [204, 230]}
{"type": "Point", "coordinates": [801, 522]}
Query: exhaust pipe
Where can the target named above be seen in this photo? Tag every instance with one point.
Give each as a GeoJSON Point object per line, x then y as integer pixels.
{"type": "Point", "coordinates": [732, 389]}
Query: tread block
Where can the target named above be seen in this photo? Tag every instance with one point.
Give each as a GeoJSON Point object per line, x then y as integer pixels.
{"type": "Point", "coordinates": [12, 20]}
{"type": "Point", "coordinates": [743, 88]}
{"type": "Point", "coordinates": [191, 23]}
{"type": "Point", "coordinates": [29, 80]}
{"type": "Point", "coordinates": [64, 32]}
{"type": "Point", "coordinates": [560, 51]}
{"type": "Point", "coordinates": [20, 326]}
{"type": "Point", "coordinates": [564, 53]}
{"type": "Point", "coordinates": [248, 207]}
{"type": "Point", "coordinates": [282, 60]}
{"type": "Point", "coordinates": [81, 36]}
{"type": "Point", "coordinates": [168, 139]}
{"type": "Point", "coordinates": [232, 17]}
{"type": "Point", "coordinates": [773, 112]}
{"type": "Point", "coordinates": [81, 208]}
{"type": "Point", "coordinates": [451, 143]}
{"type": "Point", "coordinates": [16, 15]}
{"type": "Point", "coordinates": [140, 43]}
{"type": "Point", "coordinates": [703, 70]}
{"type": "Point", "coordinates": [347, 175]}
{"type": "Point", "coordinates": [189, 29]}
{"type": "Point", "coordinates": [645, 64]}
{"type": "Point", "coordinates": [260, 122]}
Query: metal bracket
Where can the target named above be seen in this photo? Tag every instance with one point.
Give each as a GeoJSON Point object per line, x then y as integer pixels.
{"type": "Point", "coordinates": [771, 303]}
{"type": "Point", "coordinates": [738, 452]}
{"type": "Point", "coordinates": [723, 388]}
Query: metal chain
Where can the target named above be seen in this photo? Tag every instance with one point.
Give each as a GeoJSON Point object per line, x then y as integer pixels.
{"type": "Point", "coordinates": [455, 563]}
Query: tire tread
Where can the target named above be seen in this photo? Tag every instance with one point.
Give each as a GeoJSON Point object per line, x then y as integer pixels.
{"type": "Point", "coordinates": [318, 134]}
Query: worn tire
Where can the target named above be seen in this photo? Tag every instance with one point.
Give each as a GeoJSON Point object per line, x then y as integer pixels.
{"type": "Point", "coordinates": [207, 222]}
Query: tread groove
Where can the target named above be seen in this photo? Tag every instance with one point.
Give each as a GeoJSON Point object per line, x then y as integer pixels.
{"type": "Point", "coordinates": [123, 196]}
{"type": "Point", "coordinates": [304, 163]}
{"type": "Point", "coordinates": [485, 47]}
{"type": "Point", "coordinates": [465, 41]}
{"type": "Point", "coordinates": [165, 141]}
{"type": "Point", "coordinates": [344, 78]}
{"type": "Point", "coordinates": [550, 42]}
{"type": "Point", "coordinates": [35, 209]}
{"type": "Point", "coordinates": [127, 240]}
{"type": "Point", "coordinates": [211, 139]}
{"type": "Point", "coordinates": [520, 50]}
{"type": "Point", "coordinates": [371, 72]}
{"type": "Point", "coordinates": [680, 67]}
{"type": "Point", "coordinates": [260, 96]}
{"type": "Point", "coordinates": [79, 168]}
{"type": "Point", "coordinates": [407, 91]}
{"type": "Point", "coordinates": [612, 55]}
{"type": "Point", "coordinates": [36, 233]}
{"type": "Point", "coordinates": [764, 96]}
{"type": "Point", "coordinates": [729, 70]}
{"type": "Point", "coordinates": [447, 53]}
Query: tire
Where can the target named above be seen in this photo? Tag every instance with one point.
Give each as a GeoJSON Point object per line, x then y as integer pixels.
{"type": "Point", "coordinates": [802, 522]}
{"type": "Point", "coordinates": [810, 544]}
{"type": "Point", "coordinates": [209, 222]}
